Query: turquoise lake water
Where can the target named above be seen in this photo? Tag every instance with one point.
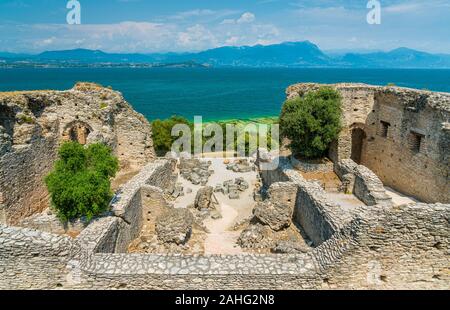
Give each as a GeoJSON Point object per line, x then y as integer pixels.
{"type": "Point", "coordinates": [215, 94]}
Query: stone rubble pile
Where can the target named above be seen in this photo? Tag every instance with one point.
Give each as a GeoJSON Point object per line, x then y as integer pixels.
{"type": "Point", "coordinates": [264, 155]}
{"type": "Point", "coordinates": [205, 205]}
{"type": "Point", "coordinates": [258, 190]}
{"type": "Point", "coordinates": [271, 227]}
{"type": "Point", "coordinates": [174, 226]}
{"type": "Point", "coordinates": [241, 166]}
{"type": "Point", "coordinates": [253, 236]}
{"type": "Point", "coordinates": [195, 170]}
{"type": "Point", "coordinates": [176, 190]}
{"type": "Point", "coordinates": [232, 188]}
{"type": "Point", "coordinates": [276, 215]}
{"type": "Point", "coordinates": [269, 219]}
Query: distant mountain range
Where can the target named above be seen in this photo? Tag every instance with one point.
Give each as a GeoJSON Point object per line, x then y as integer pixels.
{"type": "Point", "coordinates": [289, 54]}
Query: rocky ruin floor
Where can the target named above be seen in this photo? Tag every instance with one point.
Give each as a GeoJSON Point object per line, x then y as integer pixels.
{"type": "Point", "coordinates": [221, 195]}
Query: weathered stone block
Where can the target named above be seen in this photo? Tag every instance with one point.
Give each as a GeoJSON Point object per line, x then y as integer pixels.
{"type": "Point", "coordinates": [203, 199]}
{"type": "Point", "coordinates": [174, 226]}
{"type": "Point", "coordinates": [277, 216]}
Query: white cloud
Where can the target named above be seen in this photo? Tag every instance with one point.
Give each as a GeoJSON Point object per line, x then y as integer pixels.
{"type": "Point", "coordinates": [247, 17]}
{"type": "Point", "coordinates": [233, 40]}
{"type": "Point", "coordinates": [228, 21]}
{"type": "Point", "coordinates": [197, 37]}
{"type": "Point", "coordinates": [193, 13]}
{"type": "Point", "coordinates": [199, 16]}
{"type": "Point", "coordinates": [416, 24]}
{"type": "Point", "coordinates": [402, 8]}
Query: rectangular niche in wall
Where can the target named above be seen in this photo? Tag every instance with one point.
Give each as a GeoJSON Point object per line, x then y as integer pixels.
{"type": "Point", "coordinates": [384, 129]}
{"type": "Point", "coordinates": [415, 141]}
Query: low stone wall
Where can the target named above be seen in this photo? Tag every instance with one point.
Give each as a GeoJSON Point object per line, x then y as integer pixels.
{"type": "Point", "coordinates": [127, 204]}
{"type": "Point", "coordinates": [101, 236]}
{"type": "Point", "coordinates": [372, 248]}
{"type": "Point", "coordinates": [143, 271]}
{"type": "Point", "coordinates": [33, 259]}
{"type": "Point", "coordinates": [402, 247]}
{"type": "Point", "coordinates": [367, 186]}
{"type": "Point", "coordinates": [379, 248]}
{"type": "Point", "coordinates": [319, 217]}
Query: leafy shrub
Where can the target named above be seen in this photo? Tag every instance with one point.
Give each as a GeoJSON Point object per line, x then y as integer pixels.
{"type": "Point", "coordinates": [163, 140]}
{"type": "Point", "coordinates": [312, 122]}
{"type": "Point", "coordinates": [79, 184]}
{"type": "Point", "coordinates": [162, 133]}
{"type": "Point", "coordinates": [245, 136]}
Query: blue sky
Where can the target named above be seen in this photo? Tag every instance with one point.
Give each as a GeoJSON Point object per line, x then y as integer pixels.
{"type": "Point", "coordinates": [192, 25]}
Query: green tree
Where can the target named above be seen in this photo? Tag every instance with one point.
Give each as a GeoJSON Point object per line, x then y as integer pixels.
{"type": "Point", "coordinates": [80, 183]}
{"type": "Point", "coordinates": [312, 122]}
{"type": "Point", "coordinates": [162, 133]}
{"type": "Point", "coordinates": [163, 140]}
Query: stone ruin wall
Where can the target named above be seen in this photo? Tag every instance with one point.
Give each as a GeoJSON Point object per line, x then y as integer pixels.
{"type": "Point", "coordinates": [31, 259]}
{"type": "Point", "coordinates": [33, 124]}
{"type": "Point", "coordinates": [318, 217]}
{"type": "Point", "coordinates": [423, 174]}
{"type": "Point", "coordinates": [375, 248]}
{"type": "Point", "coordinates": [365, 184]}
{"type": "Point", "coordinates": [404, 247]}
{"type": "Point", "coordinates": [131, 199]}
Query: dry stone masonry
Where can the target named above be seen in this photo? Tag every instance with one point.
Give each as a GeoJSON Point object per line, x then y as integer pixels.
{"type": "Point", "coordinates": [174, 226]}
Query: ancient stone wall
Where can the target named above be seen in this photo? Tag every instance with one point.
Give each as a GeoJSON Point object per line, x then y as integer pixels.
{"type": "Point", "coordinates": [319, 217]}
{"type": "Point", "coordinates": [35, 259]}
{"type": "Point", "coordinates": [128, 205]}
{"type": "Point", "coordinates": [392, 248]}
{"type": "Point", "coordinates": [30, 259]}
{"type": "Point", "coordinates": [33, 124]}
{"type": "Point", "coordinates": [366, 185]}
{"type": "Point", "coordinates": [402, 135]}
{"type": "Point", "coordinates": [22, 174]}
{"type": "Point", "coordinates": [402, 247]}
{"type": "Point", "coordinates": [373, 248]}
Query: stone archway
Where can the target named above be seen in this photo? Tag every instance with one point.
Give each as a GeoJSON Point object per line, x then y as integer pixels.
{"type": "Point", "coordinates": [358, 137]}
{"type": "Point", "coordinates": [77, 131]}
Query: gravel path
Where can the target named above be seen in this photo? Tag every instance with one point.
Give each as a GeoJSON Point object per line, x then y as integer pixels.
{"type": "Point", "coordinates": [221, 239]}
